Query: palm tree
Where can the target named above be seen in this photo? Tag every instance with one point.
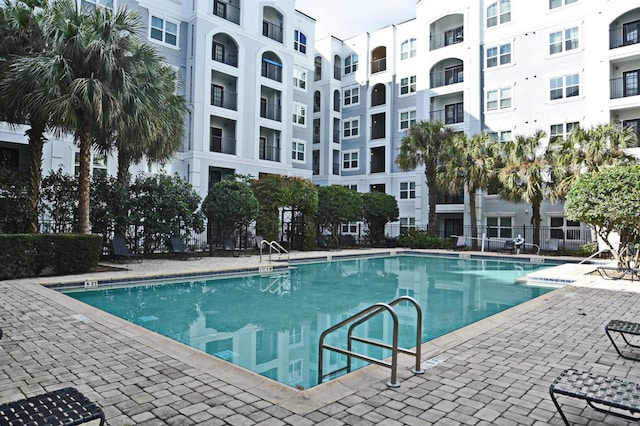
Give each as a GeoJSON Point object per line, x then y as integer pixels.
{"type": "Point", "coordinates": [528, 173]}
{"type": "Point", "coordinates": [423, 146]}
{"type": "Point", "coordinates": [471, 163]}
{"type": "Point", "coordinates": [87, 79]}
{"type": "Point", "coordinates": [20, 35]}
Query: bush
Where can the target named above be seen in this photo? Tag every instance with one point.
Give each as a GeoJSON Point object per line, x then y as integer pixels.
{"type": "Point", "coordinates": [27, 255]}
{"type": "Point", "coordinates": [588, 249]}
{"type": "Point", "coordinates": [416, 239]}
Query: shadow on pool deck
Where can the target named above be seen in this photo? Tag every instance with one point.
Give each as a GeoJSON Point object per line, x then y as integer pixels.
{"type": "Point", "coordinates": [496, 371]}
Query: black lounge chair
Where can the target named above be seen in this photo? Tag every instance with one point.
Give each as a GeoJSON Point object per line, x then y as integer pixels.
{"type": "Point", "coordinates": [229, 246]}
{"type": "Point", "coordinates": [62, 407]}
{"type": "Point", "coordinates": [179, 250]}
{"type": "Point", "coordinates": [509, 246]}
{"type": "Point", "coordinates": [606, 391]}
{"type": "Point", "coordinates": [623, 328]}
{"type": "Point", "coordinates": [121, 253]}
{"type": "Point", "coordinates": [617, 272]}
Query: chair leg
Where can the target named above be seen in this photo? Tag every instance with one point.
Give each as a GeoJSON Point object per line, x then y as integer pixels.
{"type": "Point", "coordinates": [555, 402]}
{"type": "Point", "coordinates": [615, 346]}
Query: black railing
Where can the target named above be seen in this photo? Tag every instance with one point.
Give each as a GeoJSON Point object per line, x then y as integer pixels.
{"type": "Point", "coordinates": [223, 145]}
{"type": "Point", "coordinates": [272, 30]}
{"type": "Point", "coordinates": [446, 77]}
{"type": "Point", "coordinates": [224, 99]}
{"type": "Point", "coordinates": [226, 11]}
{"type": "Point", "coordinates": [272, 71]}
{"type": "Point", "coordinates": [229, 59]}
{"type": "Point", "coordinates": [624, 36]}
{"type": "Point", "coordinates": [378, 65]}
{"type": "Point", "coordinates": [619, 90]}
{"type": "Point", "coordinates": [271, 111]}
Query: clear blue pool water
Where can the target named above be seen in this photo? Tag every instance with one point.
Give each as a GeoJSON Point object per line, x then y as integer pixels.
{"type": "Point", "coordinates": [270, 323]}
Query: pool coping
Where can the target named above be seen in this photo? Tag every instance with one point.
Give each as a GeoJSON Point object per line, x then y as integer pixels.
{"type": "Point", "coordinates": [297, 401]}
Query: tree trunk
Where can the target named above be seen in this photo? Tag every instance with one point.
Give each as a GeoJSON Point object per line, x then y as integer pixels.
{"type": "Point", "coordinates": [433, 199]}
{"type": "Point", "coordinates": [535, 221]}
{"type": "Point", "coordinates": [124, 161]}
{"type": "Point", "coordinates": [474, 221]}
{"type": "Point", "coordinates": [84, 179]}
{"type": "Point", "coordinates": [34, 174]}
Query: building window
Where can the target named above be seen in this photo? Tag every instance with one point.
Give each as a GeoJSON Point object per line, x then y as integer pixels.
{"type": "Point", "coordinates": [299, 114]}
{"type": "Point", "coordinates": [454, 113]}
{"type": "Point", "coordinates": [351, 64]}
{"type": "Point", "coordinates": [499, 227]}
{"type": "Point", "coordinates": [407, 190]}
{"type": "Point", "coordinates": [630, 83]}
{"type": "Point", "coordinates": [407, 119]}
{"type": "Point", "coordinates": [408, 85]}
{"type": "Point", "coordinates": [499, 99]}
{"type": "Point", "coordinates": [562, 130]}
{"type": "Point", "coordinates": [351, 128]}
{"type": "Point", "coordinates": [102, 3]}
{"type": "Point", "coordinates": [564, 87]}
{"type": "Point", "coordinates": [215, 140]}
{"type": "Point", "coordinates": [163, 31]}
{"type": "Point", "coordinates": [297, 151]}
{"type": "Point", "coordinates": [299, 78]}
{"type": "Point", "coordinates": [408, 49]}
{"type": "Point", "coordinates": [317, 70]}
{"type": "Point", "coordinates": [502, 135]}
{"type": "Point", "coordinates": [299, 41]}
{"type": "Point", "coordinates": [351, 96]}
{"type": "Point", "coordinates": [499, 55]}
{"type": "Point", "coordinates": [349, 160]}
{"type": "Point", "coordinates": [564, 229]}
{"type": "Point", "coordinates": [99, 164]}
{"type": "Point", "coordinates": [559, 3]}
{"type": "Point", "coordinates": [563, 41]}
{"type": "Point", "coordinates": [407, 223]}
{"type": "Point", "coordinates": [316, 101]}
{"type": "Point", "coordinates": [498, 13]}
{"type": "Point", "coordinates": [295, 371]}
{"type": "Point", "coordinates": [349, 228]}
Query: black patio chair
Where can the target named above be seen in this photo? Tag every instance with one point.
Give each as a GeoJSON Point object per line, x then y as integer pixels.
{"type": "Point", "coordinates": [180, 251]}
{"type": "Point", "coordinates": [121, 253]}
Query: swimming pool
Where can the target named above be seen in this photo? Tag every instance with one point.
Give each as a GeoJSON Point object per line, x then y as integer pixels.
{"type": "Point", "coordinates": [270, 323]}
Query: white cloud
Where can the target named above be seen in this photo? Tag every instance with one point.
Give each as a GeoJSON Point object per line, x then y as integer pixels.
{"type": "Point", "coordinates": [346, 18]}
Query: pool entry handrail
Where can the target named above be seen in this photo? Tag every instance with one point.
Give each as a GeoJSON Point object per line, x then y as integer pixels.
{"type": "Point", "coordinates": [273, 245]}
{"type": "Point", "coordinates": [361, 317]}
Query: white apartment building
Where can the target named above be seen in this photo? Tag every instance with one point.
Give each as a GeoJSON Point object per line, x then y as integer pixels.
{"type": "Point", "coordinates": [264, 99]}
{"type": "Point", "coordinates": [504, 67]}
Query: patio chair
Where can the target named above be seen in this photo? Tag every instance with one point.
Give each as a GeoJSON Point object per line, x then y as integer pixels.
{"type": "Point", "coordinates": [623, 328]}
{"type": "Point", "coordinates": [461, 242]}
{"type": "Point", "coordinates": [61, 407]}
{"type": "Point", "coordinates": [618, 272]}
{"type": "Point", "coordinates": [509, 246]}
{"type": "Point", "coordinates": [229, 246]}
{"type": "Point", "coordinates": [180, 251]}
{"type": "Point", "coordinates": [120, 251]}
{"type": "Point", "coordinates": [606, 391]}
{"type": "Point", "coordinates": [553, 246]}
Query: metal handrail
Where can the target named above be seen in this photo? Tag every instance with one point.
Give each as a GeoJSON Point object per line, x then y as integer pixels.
{"type": "Point", "coordinates": [363, 316]}
{"type": "Point", "coordinates": [273, 245]}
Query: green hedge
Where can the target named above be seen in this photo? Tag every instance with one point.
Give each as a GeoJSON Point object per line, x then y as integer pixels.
{"type": "Point", "coordinates": [417, 239]}
{"type": "Point", "coordinates": [28, 255]}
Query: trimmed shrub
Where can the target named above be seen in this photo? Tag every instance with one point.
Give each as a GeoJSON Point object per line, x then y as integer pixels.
{"type": "Point", "coordinates": [417, 239]}
{"type": "Point", "coordinates": [28, 255]}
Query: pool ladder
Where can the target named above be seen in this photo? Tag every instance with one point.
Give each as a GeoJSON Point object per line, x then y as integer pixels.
{"type": "Point", "coordinates": [361, 317]}
{"type": "Point", "coordinates": [273, 246]}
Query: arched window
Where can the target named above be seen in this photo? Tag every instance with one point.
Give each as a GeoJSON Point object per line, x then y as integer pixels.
{"type": "Point", "coordinates": [378, 94]}
{"type": "Point", "coordinates": [317, 75]}
{"type": "Point", "coordinates": [336, 100]}
{"type": "Point", "coordinates": [408, 49]}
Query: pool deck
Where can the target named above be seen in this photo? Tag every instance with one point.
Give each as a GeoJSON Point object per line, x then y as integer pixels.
{"type": "Point", "coordinates": [494, 372]}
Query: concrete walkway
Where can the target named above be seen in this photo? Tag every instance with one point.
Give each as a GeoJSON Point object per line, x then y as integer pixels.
{"type": "Point", "coordinates": [494, 372]}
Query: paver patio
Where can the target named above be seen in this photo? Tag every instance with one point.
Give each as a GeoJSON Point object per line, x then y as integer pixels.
{"type": "Point", "coordinates": [495, 372]}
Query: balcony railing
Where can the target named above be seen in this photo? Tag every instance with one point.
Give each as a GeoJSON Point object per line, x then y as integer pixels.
{"type": "Point", "coordinates": [378, 98]}
{"type": "Point", "coordinates": [446, 77]}
{"type": "Point", "coordinates": [226, 11]}
{"type": "Point", "coordinates": [337, 72]}
{"type": "Point", "coordinates": [378, 65]}
{"type": "Point", "coordinates": [228, 59]}
{"type": "Point", "coordinates": [336, 168]}
{"type": "Point", "coordinates": [272, 71]}
{"type": "Point", "coordinates": [272, 30]}
{"type": "Point", "coordinates": [271, 110]}
{"type": "Point", "coordinates": [336, 136]}
{"type": "Point", "coordinates": [452, 115]}
{"type": "Point", "coordinates": [624, 36]}
{"type": "Point", "coordinates": [225, 99]}
{"type": "Point", "coordinates": [223, 145]}
{"type": "Point", "coordinates": [447, 38]}
{"type": "Point", "coordinates": [444, 198]}
{"type": "Point", "coordinates": [618, 89]}
{"type": "Point", "coordinates": [378, 132]}
{"type": "Point", "coordinates": [270, 152]}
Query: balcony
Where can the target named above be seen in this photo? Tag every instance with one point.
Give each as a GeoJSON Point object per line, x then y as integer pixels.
{"type": "Point", "coordinates": [222, 145]}
{"type": "Point", "coordinates": [224, 50]}
{"type": "Point", "coordinates": [272, 30]}
{"type": "Point", "coordinates": [626, 35]}
{"type": "Point", "coordinates": [451, 114]}
{"type": "Point", "coordinates": [626, 86]}
{"type": "Point", "coordinates": [446, 77]}
{"type": "Point", "coordinates": [226, 11]}
{"type": "Point", "coordinates": [270, 110]}
{"type": "Point", "coordinates": [223, 98]}
{"type": "Point", "coordinates": [271, 70]}
{"type": "Point", "coordinates": [378, 65]}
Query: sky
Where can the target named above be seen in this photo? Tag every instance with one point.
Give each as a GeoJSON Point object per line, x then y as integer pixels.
{"type": "Point", "coordinates": [346, 18]}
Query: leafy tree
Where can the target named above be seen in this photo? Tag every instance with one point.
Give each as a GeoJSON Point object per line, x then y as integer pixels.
{"type": "Point", "coordinates": [109, 206]}
{"type": "Point", "coordinates": [162, 206]}
{"type": "Point", "coordinates": [608, 200]}
{"type": "Point", "coordinates": [14, 199]}
{"type": "Point", "coordinates": [230, 205]}
{"type": "Point", "coordinates": [423, 146]}
{"type": "Point", "coordinates": [378, 209]}
{"type": "Point", "coordinates": [471, 163]}
{"type": "Point", "coordinates": [337, 204]}
{"type": "Point", "coordinates": [21, 35]}
{"type": "Point", "coordinates": [59, 200]}
{"type": "Point", "coordinates": [527, 175]}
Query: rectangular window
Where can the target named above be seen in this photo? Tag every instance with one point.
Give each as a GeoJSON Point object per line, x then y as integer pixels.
{"type": "Point", "coordinates": [351, 64]}
{"type": "Point", "coordinates": [567, 87]}
{"type": "Point", "coordinates": [562, 130]}
{"type": "Point", "coordinates": [499, 227]}
{"type": "Point", "coordinates": [350, 160]}
{"type": "Point", "coordinates": [556, 88]}
{"type": "Point", "coordinates": [297, 151]}
{"type": "Point", "coordinates": [505, 98]}
{"type": "Point", "coordinates": [299, 114]}
{"type": "Point", "coordinates": [492, 57]}
{"type": "Point", "coordinates": [630, 83]}
{"type": "Point", "coordinates": [408, 85]}
{"type": "Point", "coordinates": [505, 54]}
{"type": "Point", "coordinates": [215, 142]}
{"type": "Point", "coordinates": [408, 49]}
{"type": "Point", "coordinates": [163, 31]}
{"type": "Point", "coordinates": [498, 13]}
{"type": "Point", "coordinates": [351, 128]}
{"type": "Point", "coordinates": [572, 85]}
{"type": "Point", "coordinates": [407, 190]}
{"type": "Point", "coordinates": [349, 228]}
{"type": "Point", "coordinates": [351, 96]}
{"type": "Point", "coordinates": [454, 113]}
{"type": "Point", "coordinates": [492, 100]}
{"type": "Point", "coordinates": [299, 41]}
{"type": "Point", "coordinates": [553, 4]}
{"type": "Point", "coordinates": [499, 55]}
{"type": "Point", "coordinates": [407, 119]}
{"type": "Point", "coordinates": [300, 78]}
{"type": "Point", "coordinates": [407, 223]}
{"type": "Point", "coordinates": [564, 40]}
